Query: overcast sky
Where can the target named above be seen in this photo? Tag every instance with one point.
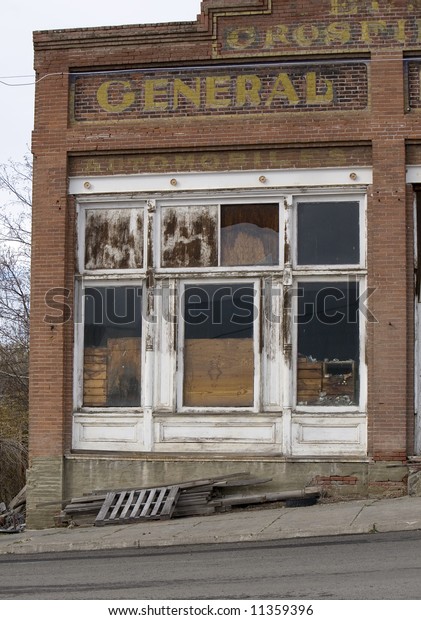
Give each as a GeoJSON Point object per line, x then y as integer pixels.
{"type": "Point", "coordinates": [19, 18]}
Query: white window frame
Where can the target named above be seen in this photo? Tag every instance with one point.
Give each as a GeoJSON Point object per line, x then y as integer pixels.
{"type": "Point", "coordinates": [362, 366]}
{"type": "Point", "coordinates": [257, 404]}
{"type": "Point", "coordinates": [288, 273]}
{"type": "Point", "coordinates": [345, 196]}
{"type": "Point", "coordinates": [82, 207]}
{"type": "Point", "coordinates": [79, 345]}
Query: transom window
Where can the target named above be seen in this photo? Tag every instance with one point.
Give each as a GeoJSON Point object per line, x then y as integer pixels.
{"type": "Point", "coordinates": [236, 235]}
{"type": "Point", "coordinates": [328, 233]}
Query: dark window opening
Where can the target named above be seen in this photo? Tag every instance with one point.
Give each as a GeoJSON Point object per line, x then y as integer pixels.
{"type": "Point", "coordinates": [328, 343]}
{"type": "Point", "coordinates": [328, 233]}
{"type": "Point", "coordinates": [112, 347]}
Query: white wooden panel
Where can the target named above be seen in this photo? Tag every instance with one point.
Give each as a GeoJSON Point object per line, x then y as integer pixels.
{"type": "Point", "coordinates": [272, 352]}
{"type": "Point", "coordinates": [244, 179]}
{"type": "Point", "coordinates": [330, 434]}
{"type": "Point", "coordinates": [217, 434]}
{"type": "Point", "coordinates": [108, 432]}
{"type": "Point", "coordinates": [165, 356]}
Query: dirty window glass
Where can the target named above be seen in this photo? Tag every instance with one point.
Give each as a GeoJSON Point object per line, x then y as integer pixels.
{"type": "Point", "coordinates": [328, 343]}
{"type": "Point", "coordinates": [114, 239]}
{"type": "Point", "coordinates": [112, 346]}
{"type": "Point", "coordinates": [328, 233]}
{"type": "Point", "coordinates": [218, 347]}
{"type": "Point", "coordinates": [250, 234]}
{"type": "Point", "coordinates": [189, 236]}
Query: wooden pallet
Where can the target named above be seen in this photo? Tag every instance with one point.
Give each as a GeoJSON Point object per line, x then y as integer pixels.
{"type": "Point", "coordinates": [138, 505]}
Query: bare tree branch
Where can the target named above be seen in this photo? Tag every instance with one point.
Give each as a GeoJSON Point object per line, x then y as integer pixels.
{"type": "Point", "coordinates": [15, 250]}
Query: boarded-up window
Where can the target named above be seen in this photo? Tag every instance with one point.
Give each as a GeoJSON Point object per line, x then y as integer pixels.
{"type": "Point", "coordinates": [189, 236]}
{"type": "Point", "coordinates": [114, 239]}
{"type": "Point", "coordinates": [328, 233]}
{"type": "Point", "coordinates": [218, 345]}
{"type": "Point", "coordinates": [112, 347]}
{"type": "Point", "coordinates": [250, 234]}
{"type": "Point", "coordinates": [328, 343]}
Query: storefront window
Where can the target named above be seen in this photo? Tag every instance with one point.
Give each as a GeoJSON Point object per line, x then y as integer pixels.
{"type": "Point", "coordinates": [219, 345]}
{"type": "Point", "coordinates": [112, 346]}
{"type": "Point", "coordinates": [328, 343]}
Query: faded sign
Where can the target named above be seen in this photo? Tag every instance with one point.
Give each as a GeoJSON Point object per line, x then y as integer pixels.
{"type": "Point", "coordinates": [185, 92]}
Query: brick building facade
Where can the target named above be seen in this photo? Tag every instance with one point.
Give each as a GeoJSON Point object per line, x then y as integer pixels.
{"type": "Point", "coordinates": [224, 268]}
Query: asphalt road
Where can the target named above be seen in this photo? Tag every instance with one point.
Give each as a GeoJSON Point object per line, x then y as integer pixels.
{"type": "Point", "coordinates": [373, 566]}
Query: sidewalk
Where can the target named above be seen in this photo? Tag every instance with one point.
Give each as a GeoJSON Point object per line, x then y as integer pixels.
{"type": "Point", "coordinates": [329, 519]}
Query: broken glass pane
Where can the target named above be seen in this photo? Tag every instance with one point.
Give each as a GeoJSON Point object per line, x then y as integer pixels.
{"type": "Point", "coordinates": [328, 343]}
{"type": "Point", "coordinates": [218, 347]}
{"type": "Point", "coordinates": [328, 233]}
{"type": "Point", "coordinates": [250, 234]}
{"type": "Point", "coordinates": [112, 347]}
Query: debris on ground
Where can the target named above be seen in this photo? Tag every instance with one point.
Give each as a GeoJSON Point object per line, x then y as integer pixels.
{"type": "Point", "coordinates": [191, 498]}
{"type": "Point", "coordinates": [13, 516]}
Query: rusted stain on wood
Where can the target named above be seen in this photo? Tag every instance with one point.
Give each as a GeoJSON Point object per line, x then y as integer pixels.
{"type": "Point", "coordinates": [189, 237]}
{"type": "Point", "coordinates": [114, 239]}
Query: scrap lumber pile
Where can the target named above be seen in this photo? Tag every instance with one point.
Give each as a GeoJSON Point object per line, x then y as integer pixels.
{"type": "Point", "coordinates": [192, 498]}
{"type": "Point", "coordinates": [12, 517]}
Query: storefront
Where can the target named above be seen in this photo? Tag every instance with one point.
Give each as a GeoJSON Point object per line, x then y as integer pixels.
{"type": "Point", "coordinates": [223, 270]}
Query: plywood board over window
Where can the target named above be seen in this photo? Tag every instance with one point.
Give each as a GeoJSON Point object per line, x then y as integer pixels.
{"type": "Point", "coordinates": [219, 345]}
{"type": "Point", "coordinates": [219, 373]}
{"type": "Point", "coordinates": [114, 239]}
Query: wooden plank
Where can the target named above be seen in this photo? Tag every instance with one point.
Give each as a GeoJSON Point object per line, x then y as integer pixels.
{"type": "Point", "coordinates": [159, 501]}
{"type": "Point", "coordinates": [244, 482]}
{"type": "Point", "coordinates": [139, 503]}
{"type": "Point", "coordinates": [95, 377]}
{"type": "Point", "coordinates": [309, 373]}
{"type": "Point", "coordinates": [186, 484]}
{"type": "Point", "coordinates": [116, 507]}
{"type": "Point", "coordinates": [79, 507]}
{"type": "Point", "coordinates": [265, 497]}
{"type": "Point", "coordinates": [147, 505]}
{"type": "Point", "coordinates": [170, 503]}
{"type": "Point", "coordinates": [123, 371]}
{"type": "Point", "coordinates": [128, 505]}
{"type": "Point", "coordinates": [218, 372]}
{"type": "Point", "coordinates": [105, 508]}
